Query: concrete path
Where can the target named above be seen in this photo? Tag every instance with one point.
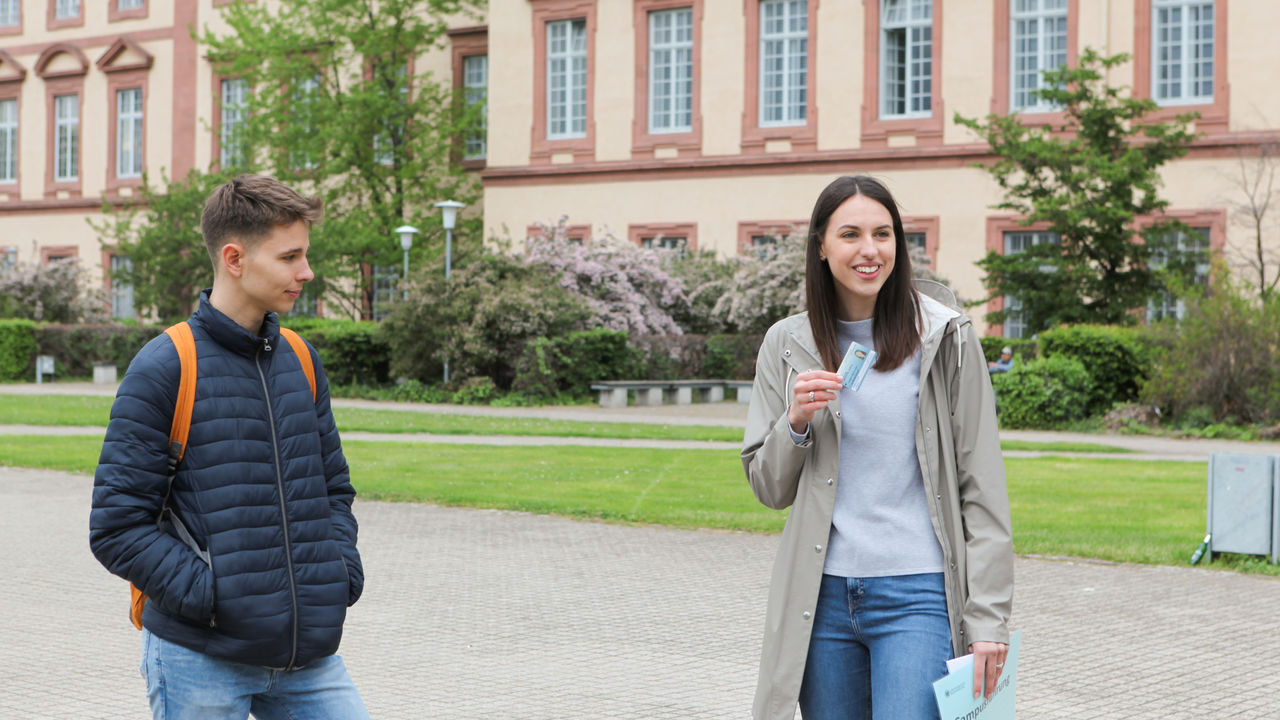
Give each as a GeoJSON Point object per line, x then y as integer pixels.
{"type": "Point", "coordinates": [475, 614]}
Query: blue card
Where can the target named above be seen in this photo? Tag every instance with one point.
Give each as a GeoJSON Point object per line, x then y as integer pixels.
{"type": "Point", "coordinates": [858, 361]}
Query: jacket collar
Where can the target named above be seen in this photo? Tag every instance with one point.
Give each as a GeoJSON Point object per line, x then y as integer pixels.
{"type": "Point", "coordinates": [227, 333]}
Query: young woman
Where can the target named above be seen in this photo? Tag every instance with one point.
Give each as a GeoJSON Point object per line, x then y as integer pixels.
{"type": "Point", "coordinates": [897, 552]}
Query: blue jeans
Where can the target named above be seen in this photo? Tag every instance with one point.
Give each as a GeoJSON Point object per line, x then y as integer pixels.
{"type": "Point", "coordinates": [878, 644]}
{"type": "Point", "coordinates": [186, 685]}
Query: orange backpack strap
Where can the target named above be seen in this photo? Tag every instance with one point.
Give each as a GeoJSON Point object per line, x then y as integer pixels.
{"type": "Point", "coordinates": [185, 343]}
{"type": "Point", "coordinates": [304, 356]}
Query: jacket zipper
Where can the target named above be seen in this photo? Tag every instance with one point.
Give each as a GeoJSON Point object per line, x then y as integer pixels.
{"type": "Point", "coordinates": [949, 573]}
{"type": "Point", "coordinates": [284, 518]}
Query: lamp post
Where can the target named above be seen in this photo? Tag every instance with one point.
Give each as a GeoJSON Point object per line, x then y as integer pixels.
{"type": "Point", "coordinates": [449, 218]}
{"type": "Point", "coordinates": [406, 233]}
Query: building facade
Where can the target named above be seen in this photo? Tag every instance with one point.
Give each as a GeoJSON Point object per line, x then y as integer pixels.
{"type": "Point", "coordinates": [714, 123]}
{"type": "Point", "coordinates": [93, 93]}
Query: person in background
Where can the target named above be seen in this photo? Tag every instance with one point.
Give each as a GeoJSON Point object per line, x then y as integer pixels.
{"type": "Point", "coordinates": [897, 552]}
{"type": "Point", "coordinates": [1004, 364]}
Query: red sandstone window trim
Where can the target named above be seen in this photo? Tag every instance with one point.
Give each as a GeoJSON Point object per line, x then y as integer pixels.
{"type": "Point", "coordinates": [467, 42]}
{"type": "Point", "coordinates": [801, 138]}
{"type": "Point", "coordinates": [1215, 117]}
{"type": "Point", "coordinates": [543, 149]}
{"type": "Point", "coordinates": [48, 252]}
{"type": "Point", "coordinates": [115, 14]}
{"type": "Point", "coordinates": [929, 225]}
{"type": "Point", "coordinates": [11, 89]}
{"type": "Point", "coordinates": [643, 143]}
{"type": "Point", "coordinates": [1002, 87]}
{"type": "Point", "coordinates": [689, 231]}
{"type": "Point", "coordinates": [58, 83]}
{"type": "Point", "coordinates": [124, 77]}
{"type": "Point", "coordinates": [54, 23]}
{"type": "Point", "coordinates": [14, 29]}
{"type": "Point", "coordinates": [876, 132]}
{"type": "Point", "coordinates": [751, 228]}
{"type": "Point", "coordinates": [580, 232]}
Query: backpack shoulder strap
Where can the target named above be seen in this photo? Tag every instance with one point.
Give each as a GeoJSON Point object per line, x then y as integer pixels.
{"type": "Point", "coordinates": [304, 356]}
{"type": "Point", "coordinates": [185, 343]}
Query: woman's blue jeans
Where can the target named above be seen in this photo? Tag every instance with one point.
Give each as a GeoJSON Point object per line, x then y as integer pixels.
{"type": "Point", "coordinates": [185, 684]}
{"type": "Point", "coordinates": [878, 645]}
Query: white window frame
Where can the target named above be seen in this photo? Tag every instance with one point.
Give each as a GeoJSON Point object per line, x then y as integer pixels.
{"type": "Point", "coordinates": [567, 79]}
{"type": "Point", "coordinates": [66, 9]}
{"type": "Point", "coordinates": [1037, 42]}
{"type": "Point", "coordinates": [66, 133]}
{"type": "Point", "coordinates": [130, 4]}
{"type": "Point", "coordinates": [129, 139]}
{"type": "Point", "coordinates": [906, 27]}
{"type": "Point", "coordinates": [671, 70]}
{"type": "Point", "coordinates": [784, 63]}
{"type": "Point", "coordinates": [1165, 304]}
{"type": "Point", "coordinates": [122, 307]}
{"type": "Point", "coordinates": [10, 13]}
{"type": "Point", "coordinates": [9, 140]}
{"type": "Point", "coordinates": [1016, 241]}
{"type": "Point", "coordinates": [1188, 76]}
{"type": "Point", "coordinates": [235, 92]}
{"type": "Point", "coordinates": [475, 90]}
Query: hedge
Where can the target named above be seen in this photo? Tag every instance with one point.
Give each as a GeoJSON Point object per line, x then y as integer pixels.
{"type": "Point", "coordinates": [1044, 393]}
{"type": "Point", "coordinates": [1117, 359]}
{"type": "Point", "coordinates": [17, 349]}
{"type": "Point", "coordinates": [353, 352]}
{"type": "Point", "coordinates": [77, 348]}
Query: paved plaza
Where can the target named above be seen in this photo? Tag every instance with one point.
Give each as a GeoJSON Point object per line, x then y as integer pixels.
{"type": "Point", "coordinates": [487, 614]}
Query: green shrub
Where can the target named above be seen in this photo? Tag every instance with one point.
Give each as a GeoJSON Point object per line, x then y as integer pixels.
{"type": "Point", "coordinates": [480, 321]}
{"type": "Point", "coordinates": [1044, 393]}
{"type": "Point", "coordinates": [474, 391]}
{"type": "Point", "coordinates": [572, 362]}
{"type": "Point", "coordinates": [17, 348]}
{"type": "Point", "coordinates": [77, 348]}
{"type": "Point", "coordinates": [1116, 358]}
{"type": "Point", "coordinates": [1220, 361]}
{"type": "Point", "coordinates": [731, 357]}
{"type": "Point", "coordinates": [1024, 349]}
{"type": "Point", "coordinates": [352, 352]}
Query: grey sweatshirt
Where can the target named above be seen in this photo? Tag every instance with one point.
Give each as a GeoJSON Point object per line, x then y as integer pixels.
{"type": "Point", "coordinates": [881, 523]}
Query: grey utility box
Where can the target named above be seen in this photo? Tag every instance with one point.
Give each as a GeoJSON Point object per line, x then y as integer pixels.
{"type": "Point", "coordinates": [1244, 504]}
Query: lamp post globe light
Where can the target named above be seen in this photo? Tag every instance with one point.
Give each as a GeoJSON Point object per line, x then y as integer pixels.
{"type": "Point", "coordinates": [406, 233]}
{"type": "Point", "coordinates": [449, 218]}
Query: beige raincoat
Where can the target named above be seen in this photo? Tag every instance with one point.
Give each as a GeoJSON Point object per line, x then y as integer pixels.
{"type": "Point", "coordinates": [958, 446]}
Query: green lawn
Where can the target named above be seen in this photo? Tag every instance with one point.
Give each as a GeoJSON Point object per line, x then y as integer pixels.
{"type": "Point", "coordinates": [1121, 510]}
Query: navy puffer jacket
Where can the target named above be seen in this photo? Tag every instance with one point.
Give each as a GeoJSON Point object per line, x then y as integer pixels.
{"type": "Point", "coordinates": [263, 489]}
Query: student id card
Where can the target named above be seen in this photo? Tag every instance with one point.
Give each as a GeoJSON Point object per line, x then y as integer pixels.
{"type": "Point", "coordinates": [858, 361]}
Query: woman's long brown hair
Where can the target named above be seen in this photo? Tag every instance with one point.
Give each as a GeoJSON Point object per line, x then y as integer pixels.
{"type": "Point", "coordinates": [897, 309]}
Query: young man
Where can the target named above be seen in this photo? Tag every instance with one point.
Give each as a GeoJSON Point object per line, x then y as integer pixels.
{"type": "Point", "coordinates": [246, 613]}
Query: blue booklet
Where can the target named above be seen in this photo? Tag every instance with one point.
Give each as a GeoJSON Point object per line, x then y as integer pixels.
{"type": "Point", "coordinates": [858, 361]}
{"type": "Point", "coordinates": [955, 691]}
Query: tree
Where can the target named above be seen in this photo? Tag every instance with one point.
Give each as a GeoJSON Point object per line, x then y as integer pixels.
{"type": "Point", "coordinates": [1257, 182]}
{"type": "Point", "coordinates": [54, 293]}
{"type": "Point", "coordinates": [159, 232]}
{"type": "Point", "coordinates": [337, 110]}
{"type": "Point", "coordinates": [1090, 179]}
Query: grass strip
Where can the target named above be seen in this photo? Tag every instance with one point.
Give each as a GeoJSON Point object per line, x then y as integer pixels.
{"type": "Point", "coordinates": [1107, 509]}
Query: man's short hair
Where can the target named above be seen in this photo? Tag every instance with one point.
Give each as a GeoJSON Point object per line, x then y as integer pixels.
{"type": "Point", "coordinates": [248, 208]}
{"type": "Point", "coordinates": [1006, 350]}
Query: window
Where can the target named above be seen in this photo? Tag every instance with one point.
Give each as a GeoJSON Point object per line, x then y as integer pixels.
{"type": "Point", "coordinates": [10, 13]}
{"type": "Point", "coordinates": [1191, 248]}
{"type": "Point", "coordinates": [308, 302]}
{"type": "Point", "coordinates": [8, 141]}
{"type": "Point", "coordinates": [129, 133]}
{"type": "Point", "coordinates": [66, 138]}
{"type": "Point", "coordinates": [384, 143]}
{"type": "Point", "coordinates": [305, 92]}
{"type": "Point", "coordinates": [130, 4]}
{"type": "Point", "coordinates": [8, 257]}
{"type": "Point", "coordinates": [1038, 42]}
{"type": "Point", "coordinates": [385, 280]}
{"type": "Point", "coordinates": [1182, 52]}
{"type": "Point", "coordinates": [67, 9]}
{"type": "Point", "coordinates": [784, 61]}
{"type": "Point", "coordinates": [1015, 242]}
{"type": "Point", "coordinates": [121, 289]}
{"type": "Point", "coordinates": [671, 71]}
{"type": "Point", "coordinates": [234, 95]}
{"type": "Point", "coordinates": [566, 79]}
{"type": "Point", "coordinates": [906, 64]}
{"type": "Point", "coordinates": [917, 243]}
{"type": "Point", "coordinates": [475, 84]}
